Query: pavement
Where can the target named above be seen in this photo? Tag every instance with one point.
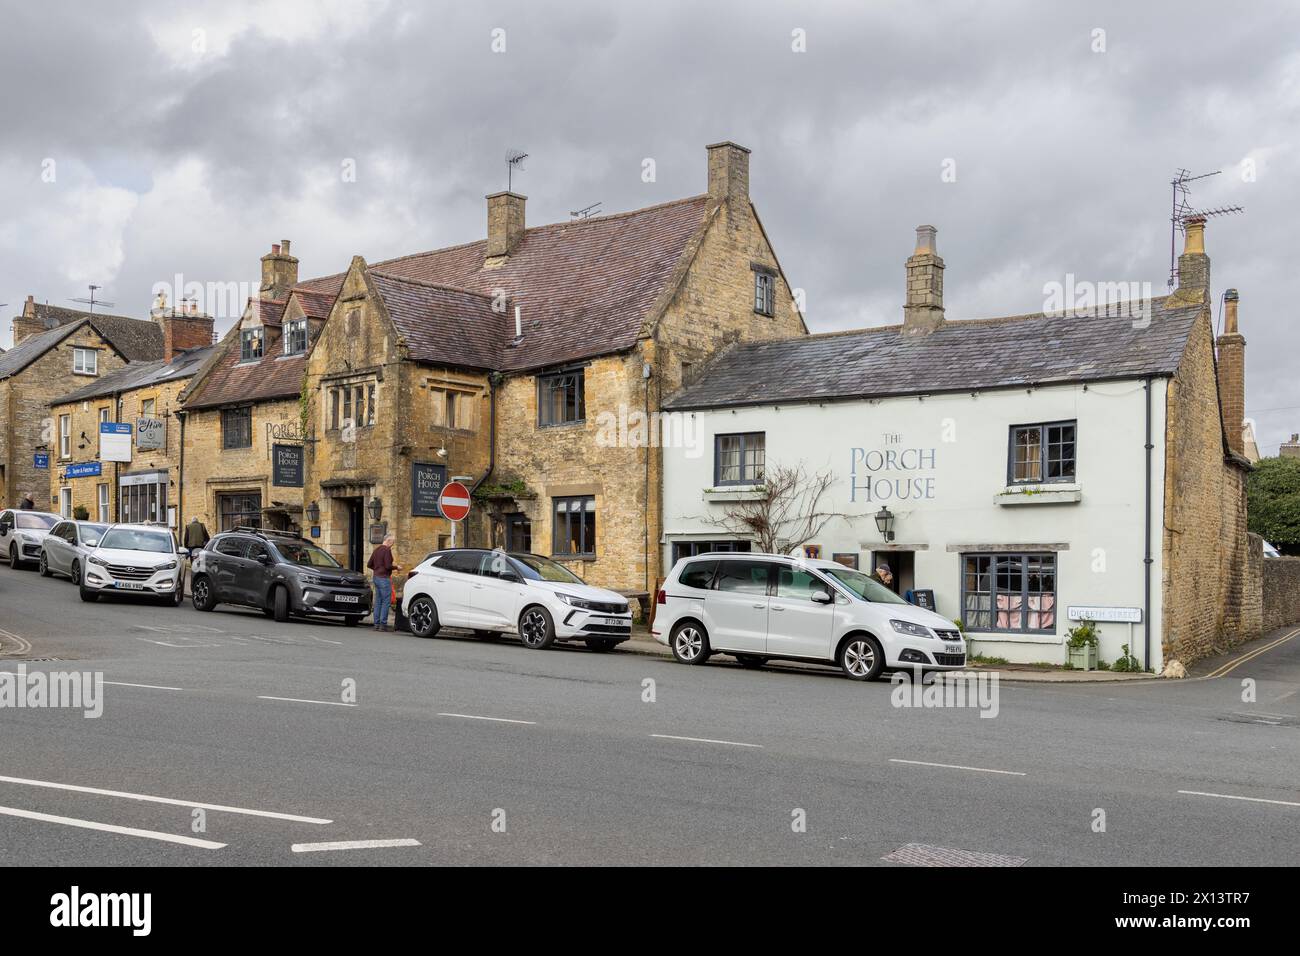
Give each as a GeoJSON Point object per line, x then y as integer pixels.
{"type": "Point", "coordinates": [228, 739]}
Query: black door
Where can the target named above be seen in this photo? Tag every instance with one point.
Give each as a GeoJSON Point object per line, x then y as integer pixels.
{"type": "Point", "coordinates": [356, 535]}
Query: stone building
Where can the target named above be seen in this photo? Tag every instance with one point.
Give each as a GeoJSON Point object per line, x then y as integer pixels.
{"type": "Point", "coordinates": [137, 477]}
{"type": "Point", "coordinates": [532, 363]}
{"type": "Point", "coordinates": [243, 411]}
{"type": "Point", "coordinates": [55, 352]}
{"type": "Point", "coordinates": [1017, 473]}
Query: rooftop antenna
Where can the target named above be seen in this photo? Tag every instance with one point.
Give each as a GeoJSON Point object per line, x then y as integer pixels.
{"type": "Point", "coordinates": [92, 301]}
{"type": "Point", "coordinates": [1181, 210]}
{"type": "Point", "coordinates": [514, 160]}
{"type": "Point", "coordinates": [586, 211]}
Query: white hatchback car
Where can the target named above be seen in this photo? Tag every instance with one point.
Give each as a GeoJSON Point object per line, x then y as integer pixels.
{"type": "Point", "coordinates": [761, 607]}
{"type": "Point", "coordinates": [136, 559]}
{"type": "Point", "coordinates": [21, 534]}
{"type": "Point", "coordinates": [492, 592]}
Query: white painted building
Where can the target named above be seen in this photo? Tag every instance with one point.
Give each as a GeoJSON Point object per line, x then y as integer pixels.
{"type": "Point", "coordinates": [1011, 456]}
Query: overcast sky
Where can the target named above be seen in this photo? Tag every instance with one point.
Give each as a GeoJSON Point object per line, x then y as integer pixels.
{"type": "Point", "coordinates": [186, 137]}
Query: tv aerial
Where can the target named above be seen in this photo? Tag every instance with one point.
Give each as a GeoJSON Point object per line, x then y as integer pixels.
{"type": "Point", "coordinates": [514, 161]}
{"type": "Point", "coordinates": [586, 212]}
{"type": "Point", "coordinates": [1181, 210]}
{"type": "Point", "coordinates": [92, 301]}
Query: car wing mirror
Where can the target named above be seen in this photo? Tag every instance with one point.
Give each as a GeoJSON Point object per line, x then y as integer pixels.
{"type": "Point", "coordinates": [822, 597]}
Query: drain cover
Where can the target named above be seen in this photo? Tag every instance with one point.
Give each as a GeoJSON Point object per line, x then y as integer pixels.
{"type": "Point", "coordinates": [922, 854]}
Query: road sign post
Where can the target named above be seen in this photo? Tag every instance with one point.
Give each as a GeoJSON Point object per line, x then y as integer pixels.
{"type": "Point", "coordinates": [453, 502]}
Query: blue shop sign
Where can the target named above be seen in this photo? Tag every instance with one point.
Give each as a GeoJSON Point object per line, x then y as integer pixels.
{"type": "Point", "coordinates": [40, 460]}
{"type": "Point", "coordinates": [86, 469]}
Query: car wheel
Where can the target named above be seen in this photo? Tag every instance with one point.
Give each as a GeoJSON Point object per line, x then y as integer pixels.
{"type": "Point", "coordinates": [423, 617]}
{"type": "Point", "coordinates": [75, 573]}
{"type": "Point", "coordinates": [488, 635]}
{"type": "Point", "coordinates": [600, 644]}
{"type": "Point", "coordinates": [202, 594]}
{"type": "Point", "coordinates": [13, 557]}
{"type": "Point", "coordinates": [536, 629]}
{"type": "Point", "coordinates": [44, 566]}
{"type": "Point", "coordinates": [750, 661]}
{"type": "Point", "coordinates": [90, 597]}
{"type": "Point", "coordinates": [690, 643]}
{"type": "Point", "coordinates": [280, 604]}
{"type": "Point", "coordinates": [861, 658]}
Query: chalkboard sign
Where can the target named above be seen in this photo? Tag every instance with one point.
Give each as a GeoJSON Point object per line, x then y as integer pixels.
{"type": "Point", "coordinates": [427, 480]}
{"type": "Point", "coordinates": [286, 465]}
{"type": "Point", "coordinates": [922, 597]}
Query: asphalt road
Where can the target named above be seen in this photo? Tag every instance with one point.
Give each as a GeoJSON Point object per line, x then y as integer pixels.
{"type": "Point", "coordinates": [492, 754]}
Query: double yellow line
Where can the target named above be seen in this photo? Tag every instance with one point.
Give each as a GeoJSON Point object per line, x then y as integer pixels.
{"type": "Point", "coordinates": [1250, 656]}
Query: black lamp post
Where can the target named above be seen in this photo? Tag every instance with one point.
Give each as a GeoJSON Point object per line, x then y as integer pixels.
{"type": "Point", "coordinates": [375, 508]}
{"type": "Point", "coordinates": [885, 523]}
{"type": "Point", "coordinates": [313, 513]}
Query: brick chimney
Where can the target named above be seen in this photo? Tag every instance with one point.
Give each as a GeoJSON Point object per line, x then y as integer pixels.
{"type": "Point", "coordinates": [1232, 374]}
{"type": "Point", "coordinates": [279, 271]}
{"type": "Point", "coordinates": [923, 310]}
{"type": "Point", "coordinates": [505, 224]}
{"type": "Point", "coordinates": [28, 323]}
{"type": "Point", "coordinates": [728, 172]}
{"type": "Point", "coordinates": [183, 329]}
{"type": "Point", "coordinates": [1193, 264]}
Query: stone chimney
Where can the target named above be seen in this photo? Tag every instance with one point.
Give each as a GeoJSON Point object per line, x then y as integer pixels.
{"type": "Point", "coordinates": [505, 225]}
{"type": "Point", "coordinates": [1193, 264]}
{"type": "Point", "coordinates": [923, 310]}
{"type": "Point", "coordinates": [28, 323]}
{"type": "Point", "coordinates": [279, 271]}
{"type": "Point", "coordinates": [1290, 449]}
{"type": "Point", "coordinates": [728, 172]}
{"type": "Point", "coordinates": [1232, 375]}
{"type": "Point", "coordinates": [183, 329]}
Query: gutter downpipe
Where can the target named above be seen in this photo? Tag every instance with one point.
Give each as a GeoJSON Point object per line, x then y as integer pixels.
{"type": "Point", "coordinates": [492, 447]}
{"type": "Point", "coordinates": [1146, 558]}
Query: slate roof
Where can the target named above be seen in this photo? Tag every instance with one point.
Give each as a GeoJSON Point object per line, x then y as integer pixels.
{"type": "Point", "coordinates": [140, 375]}
{"type": "Point", "coordinates": [444, 326]}
{"type": "Point", "coordinates": [964, 356]}
{"type": "Point", "coordinates": [140, 340]}
{"type": "Point", "coordinates": [34, 346]}
{"type": "Point", "coordinates": [584, 287]}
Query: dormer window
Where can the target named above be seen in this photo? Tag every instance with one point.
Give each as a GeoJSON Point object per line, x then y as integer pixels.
{"type": "Point", "coordinates": [295, 337]}
{"type": "Point", "coordinates": [764, 291]}
{"type": "Point", "coordinates": [250, 344]}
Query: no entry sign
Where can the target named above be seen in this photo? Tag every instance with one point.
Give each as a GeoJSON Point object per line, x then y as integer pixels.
{"type": "Point", "coordinates": [454, 501]}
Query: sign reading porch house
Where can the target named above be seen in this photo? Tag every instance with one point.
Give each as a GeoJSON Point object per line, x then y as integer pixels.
{"type": "Point", "coordinates": [894, 472]}
{"type": "Point", "coordinates": [286, 466]}
{"type": "Point", "coordinates": [1105, 615]}
{"type": "Point", "coordinates": [427, 480]}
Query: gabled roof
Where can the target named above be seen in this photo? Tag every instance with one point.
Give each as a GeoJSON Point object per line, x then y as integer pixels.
{"type": "Point", "coordinates": [585, 288]}
{"type": "Point", "coordinates": [443, 326]}
{"type": "Point", "coordinates": [960, 356]}
{"type": "Point", "coordinates": [140, 375]}
{"type": "Point", "coordinates": [34, 346]}
{"type": "Point", "coordinates": [139, 340]}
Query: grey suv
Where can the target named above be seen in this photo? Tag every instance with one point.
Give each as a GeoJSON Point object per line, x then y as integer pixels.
{"type": "Point", "coordinates": [279, 574]}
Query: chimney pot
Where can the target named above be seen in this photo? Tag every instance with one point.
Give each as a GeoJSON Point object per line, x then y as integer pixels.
{"type": "Point", "coordinates": [728, 171]}
{"type": "Point", "coordinates": [284, 246]}
{"type": "Point", "coordinates": [923, 308]}
{"type": "Point", "coordinates": [505, 223]}
{"type": "Point", "coordinates": [1231, 368]}
{"type": "Point", "coordinates": [1193, 264]}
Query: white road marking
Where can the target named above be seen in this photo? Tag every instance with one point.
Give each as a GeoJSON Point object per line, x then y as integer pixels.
{"type": "Point", "coordinates": [499, 720]}
{"type": "Point", "coordinates": [148, 640]}
{"type": "Point", "coordinates": [323, 641]}
{"type": "Point", "coordinates": [147, 798]}
{"type": "Point", "coordinates": [1231, 796]}
{"type": "Point", "coordinates": [953, 766]}
{"type": "Point", "coordinates": [111, 828]}
{"type": "Point", "coordinates": [118, 683]}
{"type": "Point", "coordinates": [707, 740]}
{"type": "Point", "coordinates": [300, 700]}
{"type": "Point", "coordinates": [351, 845]}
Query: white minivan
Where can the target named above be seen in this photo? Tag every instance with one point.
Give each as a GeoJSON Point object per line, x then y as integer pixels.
{"type": "Point", "coordinates": [761, 607]}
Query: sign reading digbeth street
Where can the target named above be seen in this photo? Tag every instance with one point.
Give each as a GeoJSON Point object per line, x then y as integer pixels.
{"type": "Point", "coordinates": [427, 480]}
{"type": "Point", "coordinates": [892, 473]}
{"type": "Point", "coordinates": [286, 465]}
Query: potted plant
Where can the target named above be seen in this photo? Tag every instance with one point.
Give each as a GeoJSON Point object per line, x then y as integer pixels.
{"type": "Point", "coordinates": [1081, 640]}
{"type": "Point", "coordinates": [81, 513]}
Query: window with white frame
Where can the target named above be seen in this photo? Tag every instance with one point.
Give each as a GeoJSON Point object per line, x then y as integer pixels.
{"type": "Point", "coordinates": [85, 361]}
{"type": "Point", "coordinates": [295, 337]}
{"type": "Point", "coordinates": [65, 436]}
{"type": "Point", "coordinates": [250, 344]}
{"type": "Point", "coordinates": [102, 501]}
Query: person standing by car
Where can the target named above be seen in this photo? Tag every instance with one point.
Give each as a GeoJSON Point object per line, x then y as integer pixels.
{"type": "Point", "coordinates": [195, 537]}
{"type": "Point", "coordinates": [381, 565]}
{"type": "Point", "coordinates": [885, 576]}
{"type": "Point", "coordinates": [27, 504]}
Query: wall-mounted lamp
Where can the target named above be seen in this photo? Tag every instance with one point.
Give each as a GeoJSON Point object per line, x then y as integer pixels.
{"type": "Point", "coordinates": [375, 508]}
{"type": "Point", "coordinates": [885, 523]}
{"type": "Point", "coordinates": [313, 513]}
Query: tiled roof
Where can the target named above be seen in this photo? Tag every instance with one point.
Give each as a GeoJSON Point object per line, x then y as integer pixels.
{"type": "Point", "coordinates": [443, 326]}
{"type": "Point", "coordinates": [140, 340]}
{"type": "Point", "coordinates": [1015, 351]}
{"type": "Point", "coordinates": [34, 346]}
{"type": "Point", "coordinates": [140, 375]}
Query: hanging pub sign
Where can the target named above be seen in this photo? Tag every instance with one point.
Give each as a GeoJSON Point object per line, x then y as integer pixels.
{"type": "Point", "coordinates": [150, 434]}
{"type": "Point", "coordinates": [427, 480]}
{"type": "Point", "coordinates": [41, 460]}
{"type": "Point", "coordinates": [286, 465]}
{"type": "Point", "coordinates": [114, 441]}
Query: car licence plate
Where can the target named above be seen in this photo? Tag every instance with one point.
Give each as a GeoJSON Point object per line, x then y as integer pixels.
{"type": "Point", "coordinates": [952, 648]}
{"type": "Point", "coordinates": [129, 585]}
{"type": "Point", "coordinates": [615, 621]}
{"type": "Point", "coordinates": [346, 598]}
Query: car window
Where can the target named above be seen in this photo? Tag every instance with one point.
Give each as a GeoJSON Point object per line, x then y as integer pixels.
{"type": "Point", "coordinates": [304, 553]}
{"type": "Point", "coordinates": [698, 574]}
{"type": "Point", "coordinates": [494, 564]}
{"type": "Point", "coordinates": [797, 585]}
{"type": "Point", "coordinates": [91, 533]}
{"type": "Point", "coordinates": [464, 562]}
{"type": "Point", "coordinates": [134, 539]}
{"type": "Point", "coordinates": [233, 546]}
{"type": "Point", "coordinates": [536, 568]}
{"type": "Point", "coordinates": [36, 522]}
{"type": "Point", "coordinates": [59, 531]}
{"type": "Point", "coordinates": [257, 550]}
{"type": "Point", "coordinates": [863, 586]}
{"type": "Point", "coordinates": [744, 577]}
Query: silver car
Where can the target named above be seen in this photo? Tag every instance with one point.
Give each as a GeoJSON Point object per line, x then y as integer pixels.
{"type": "Point", "coordinates": [65, 548]}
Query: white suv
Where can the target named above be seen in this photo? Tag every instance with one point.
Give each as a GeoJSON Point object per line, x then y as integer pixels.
{"type": "Point", "coordinates": [135, 559]}
{"type": "Point", "coordinates": [761, 607]}
{"type": "Point", "coordinates": [492, 592]}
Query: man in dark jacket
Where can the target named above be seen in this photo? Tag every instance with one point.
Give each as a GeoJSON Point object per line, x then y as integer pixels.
{"type": "Point", "coordinates": [196, 534]}
{"type": "Point", "coordinates": [27, 504]}
{"type": "Point", "coordinates": [381, 567]}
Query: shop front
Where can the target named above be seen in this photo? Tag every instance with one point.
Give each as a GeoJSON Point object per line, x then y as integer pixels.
{"type": "Point", "coordinates": [143, 497]}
